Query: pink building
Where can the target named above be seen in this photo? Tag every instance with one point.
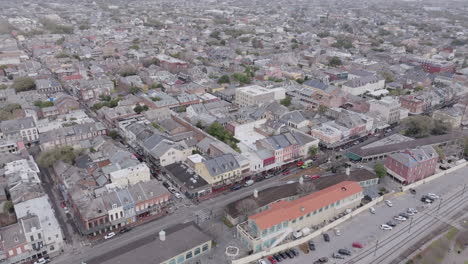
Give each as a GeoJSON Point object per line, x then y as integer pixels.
{"type": "Point", "coordinates": [412, 165]}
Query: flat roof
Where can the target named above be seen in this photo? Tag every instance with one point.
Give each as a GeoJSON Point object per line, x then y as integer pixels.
{"type": "Point", "coordinates": [151, 250]}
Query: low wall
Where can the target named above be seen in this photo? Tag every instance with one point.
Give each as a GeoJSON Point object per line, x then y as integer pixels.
{"type": "Point", "coordinates": [433, 177]}
{"type": "Point", "coordinates": [305, 239]}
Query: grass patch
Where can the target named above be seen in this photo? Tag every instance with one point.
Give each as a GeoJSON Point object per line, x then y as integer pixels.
{"type": "Point", "coordinates": [451, 233]}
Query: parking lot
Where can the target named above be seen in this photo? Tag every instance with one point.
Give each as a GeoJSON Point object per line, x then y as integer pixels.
{"type": "Point", "coordinates": [382, 246]}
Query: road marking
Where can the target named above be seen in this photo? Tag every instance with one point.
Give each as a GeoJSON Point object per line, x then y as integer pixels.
{"type": "Point", "coordinates": [398, 194]}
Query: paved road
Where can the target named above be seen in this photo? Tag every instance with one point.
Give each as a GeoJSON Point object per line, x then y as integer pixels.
{"type": "Point", "coordinates": [364, 228]}
{"type": "Point", "coordinates": [106, 249]}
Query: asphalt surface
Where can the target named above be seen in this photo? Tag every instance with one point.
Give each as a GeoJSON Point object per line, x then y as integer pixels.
{"type": "Point", "coordinates": [364, 228]}
{"type": "Point", "coordinates": [105, 249]}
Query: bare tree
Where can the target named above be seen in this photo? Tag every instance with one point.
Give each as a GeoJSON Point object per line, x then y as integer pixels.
{"type": "Point", "coordinates": [246, 206]}
{"type": "Point", "coordinates": [305, 188]}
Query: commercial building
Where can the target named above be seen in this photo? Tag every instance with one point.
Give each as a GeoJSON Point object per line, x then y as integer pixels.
{"type": "Point", "coordinates": [364, 84]}
{"type": "Point", "coordinates": [276, 221]}
{"type": "Point", "coordinates": [388, 108]}
{"type": "Point", "coordinates": [257, 95]}
{"type": "Point", "coordinates": [412, 165]}
{"type": "Point", "coordinates": [182, 243]}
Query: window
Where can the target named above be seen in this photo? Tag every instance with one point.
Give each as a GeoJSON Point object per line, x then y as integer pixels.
{"type": "Point", "coordinates": [315, 212]}
{"type": "Point", "coordinates": [172, 261]}
{"type": "Point", "coordinates": [320, 210]}
{"type": "Point", "coordinates": [188, 255]}
{"type": "Point", "coordinates": [32, 238]}
{"type": "Point", "coordinates": [264, 232]}
{"type": "Point", "coordinates": [294, 221]}
{"type": "Point", "coordinates": [300, 218]}
{"type": "Point", "coordinates": [197, 251]}
{"type": "Point", "coordinates": [285, 224]}
{"type": "Point", "coordinates": [326, 207]}
{"type": "Point", "coordinates": [308, 215]}
{"type": "Point", "coordinates": [180, 259]}
{"type": "Point", "coordinates": [205, 247]}
{"type": "Point", "coordinates": [39, 236]}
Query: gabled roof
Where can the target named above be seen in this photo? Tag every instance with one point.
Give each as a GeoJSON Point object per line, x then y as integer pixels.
{"type": "Point", "coordinates": [221, 164]}
{"type": "Point", "coordinates": [282, 211]}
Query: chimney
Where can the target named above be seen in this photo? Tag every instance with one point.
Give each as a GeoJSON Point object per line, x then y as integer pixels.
{"type": "Point", "coordinates": [162, 235]}
{"type": "Point", "coordinates": [301, 180]}
{"type": "Point", "coordinates": [347, 171]}
{"type": "Point", "coordinates": [255, 194]}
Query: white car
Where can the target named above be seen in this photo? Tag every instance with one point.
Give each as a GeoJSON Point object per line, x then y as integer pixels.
{"type": "Point", "coordinates": [178, 195]}
{"type": "Point", "coordinates": [413, 210]}
{"type": "Point", "coordinates": [262, 261]}
{"type": "Point", "coordinates": [41, 261]}
{"type": "Point", "coordinates": [385, 227]}
{"type": "Point", "coordinates": [172, 189]}
{"type": "Point", "coordinates": [372, 210]}
{"type": "Point", "coordinates": [337, 232]}
{"type": "Point", "coordinates": [389, 203]}
{"type": "Point", "coordinates": [400, 218]}
{"type": "Point", "coordinates": [410, 213]}
{"type": "Point", "coordinates": [109, 236]}
{"type": "Point", "coordinates": [433, 196]}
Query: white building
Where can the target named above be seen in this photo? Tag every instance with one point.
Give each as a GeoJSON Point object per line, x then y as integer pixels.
{"type": "Point", "coordinates": [388, 107]}
{"type": "Point", "coordinates": [362, 85]}
{"type": "Point", "coordinates": [257, 95]}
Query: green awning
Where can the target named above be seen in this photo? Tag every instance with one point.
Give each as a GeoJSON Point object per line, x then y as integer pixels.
{"type": "Point", "coordinates": [353, 156]}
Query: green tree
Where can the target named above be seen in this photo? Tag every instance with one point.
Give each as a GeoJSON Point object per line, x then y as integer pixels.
{"type": "Point", "coordinates": [113, 134]}
{"type": "Point", "coordinates": [322, 109]}
{"type": "Point", "coordinates": [380, 170]}
{"type": "Point", "coordinates": [286, 101]}
{"type": "Point", "coordinates": [127, 71]}
{"type": "Point", "coordinates": [8, 207]}
{"type": "Point", "coordinates": [22, 84]}
{"type": "Point", "coordinates": [135, 47]}
{"type": "Point", "coordinates": [66, 154]}
{"type": "Point", "coordinates": [140, 108]}
{"type": "Point", "coordinates": [388, 77]}
{"type": "Point", "coordinates": [224, 79]}
{"type": "Point", "coordinates": [440, 127]}
{"type": "Point", "coordinates": [313, 151]}
{"type": "Point", "coordinates": [417, 126]}
{"type": "Point", "coordinates": [440, 152]}
{"type": "Point", "coordinates": [241, 78]}
{"type": "Point", "coordinates": [42, 104]}
{"type": "Point", "coordinates": [335, 61]}
{"type": "Point", "coordinates": [134, 90]}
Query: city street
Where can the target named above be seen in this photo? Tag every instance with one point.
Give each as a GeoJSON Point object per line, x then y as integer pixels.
{"type": "Point", "coordinates": [364, 228]}
{"type": "Point", "coordinates": [209, 209]}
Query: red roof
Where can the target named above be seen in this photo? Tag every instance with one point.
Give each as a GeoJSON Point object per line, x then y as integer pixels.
{"type": "Point", "coordinates": [288, 210]}
{"type": "Point", "coordinates": [72, 77]}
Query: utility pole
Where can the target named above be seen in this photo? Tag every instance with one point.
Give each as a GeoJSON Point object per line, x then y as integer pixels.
{"type": "Point", "coordinates": [376, 245]}
{"type": "Point", "coordinates": [410, 224]}
{"type": "Point", "coordinates": [440, 202]}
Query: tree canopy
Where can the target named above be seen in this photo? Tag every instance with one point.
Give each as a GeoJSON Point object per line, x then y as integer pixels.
{"type": "Point", "coordinates": [66, 154]}
{"type": "Point", "coordinates": [286, 101]}
{"type": "Point", "coordinates": [380, 170]}
{"type": "Point", "coordinates": [22, 84]}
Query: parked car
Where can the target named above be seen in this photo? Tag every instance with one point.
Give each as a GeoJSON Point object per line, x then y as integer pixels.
{"type": "Point", "coordinates": [357, 245]}
{"type": "Point", "coordinates": [412, 191]}
{"type": "Point", "coordinates": [236, 187]}
{"type": "Point", "coordinates": [391, 223]}
{"type": "Point", "coordinates": [295, 251]}
{"type": "Point", "coordinates": [326, 237]}
{"type": "Point", "coordinates": [259, 179]}
{"type": "Point", "coordinates": [433, 196]}
{"type": "Point", "coordinates": [321, 260]}
{"type": "Point", "coordinates": [110, 235]}
{"type": "Point", "coordinates": [311, 245]}
{"type": "Point", "coordinates": [372, 210]}
{"type": "Point", "coordinates": [399, 218]}
{"type": "Point", "coordinates": [272, 259]}
{"type": "Point", "coordinates": [248, 183]}
{"type": "Point", "coordinates": [172, 189]}
{"type": "Point", "coordinates": [262, 261]}
{"type": "Point", "coordinates": [337, 232]}
{"type": "Point", "coordinates": [277, 257]}
{"type": "Point", "coordinates": [389, 203]}
{"type": "Point", "coordinates": [413, 210]}
{"type": "Point", "coordinates": [178, 195]}
{"type": "Point", "coordinates": [337, 256]}
{"type": "Point", "coordinates": [385, 227]}
{"type": "Point", "coordinates": [283, 256]}
{"type": "Point", "coordinates": [344, 251]}
{"type": "Point", "coordinates": [426, 199]}
{"type": "Point", "coordinates": [125, 230]}
{"type": "Point", "coordinates": [166, 184]}
{"type": "Point", "coordinates": [404, 215]}
{"type": "Point", "coordinates": [287, 253]}
{"type": "Point", "coordinates": [41, 261]}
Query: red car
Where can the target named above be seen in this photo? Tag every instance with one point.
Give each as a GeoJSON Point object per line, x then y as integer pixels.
{"type": "Point", "coordinates": [272, 260]}
{"type": "Point", "coordinates": [300, 163]}
{"type": "Point", "coordinates": [357, 245]}
{"type": "Point", "coordinates": [315, 177]}
{"type": "Point", "coordinates": [286, 173]}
